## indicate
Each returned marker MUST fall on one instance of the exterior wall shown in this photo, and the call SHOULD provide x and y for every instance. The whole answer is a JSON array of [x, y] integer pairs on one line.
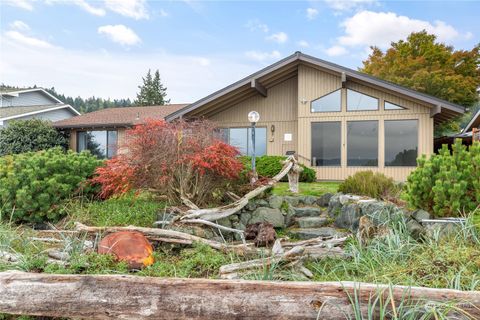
[[121, 139], [277, 109], [33, 98], [54, 115], [313, 83]]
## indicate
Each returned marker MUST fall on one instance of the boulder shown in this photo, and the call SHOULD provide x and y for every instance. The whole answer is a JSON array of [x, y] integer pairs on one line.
[[312, 222], [415, 229], [275, 202], [334, 205], [289, 215], [348, 198], [324, 200], [225, 222], [245, 217], [294, 201], [265, 214], [261, 203], [308, 200], [316, 232], [348, 217], [307, 211], [420, 215], [251, 206]]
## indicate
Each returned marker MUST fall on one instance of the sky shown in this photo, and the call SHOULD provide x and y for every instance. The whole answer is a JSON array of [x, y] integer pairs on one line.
[[103, 48]]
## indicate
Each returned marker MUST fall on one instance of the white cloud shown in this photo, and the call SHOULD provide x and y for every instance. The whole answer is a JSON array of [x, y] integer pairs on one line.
[[23, 4], [336, 51], [27, 40], [381, 28], [19, 25], [135, 9], [120, 34], [117, 74], [303, 44], [163, 13], [312, 13], [279, 37], [345, 5], [262, 56], [255, 24], [89, 8]]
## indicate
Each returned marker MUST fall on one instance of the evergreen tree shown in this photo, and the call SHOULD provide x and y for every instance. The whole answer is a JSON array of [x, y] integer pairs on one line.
[[152, 92]]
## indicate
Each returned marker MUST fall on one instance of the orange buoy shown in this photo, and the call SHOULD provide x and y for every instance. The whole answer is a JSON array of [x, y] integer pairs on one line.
[[129, 246]]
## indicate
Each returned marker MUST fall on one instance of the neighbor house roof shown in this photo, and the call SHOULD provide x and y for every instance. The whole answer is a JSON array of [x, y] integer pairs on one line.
[[10, 113], [16, 92], [270, 75], [118, 117], [474, 122]]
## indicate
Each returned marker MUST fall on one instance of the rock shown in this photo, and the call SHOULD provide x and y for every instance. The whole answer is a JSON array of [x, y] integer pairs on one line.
[[251, 206], [420, 215], [348, 217], [347, 198], [316, 232], [265, 214], [308, 200], [443, 227], [262, 203], [275, 202], [312, 222], [334, 205], [415, 229], [307, 211], [234, 218], [289, 215], [225, 222], [198, 231], [324, 200], [245, 218], [292, 200]]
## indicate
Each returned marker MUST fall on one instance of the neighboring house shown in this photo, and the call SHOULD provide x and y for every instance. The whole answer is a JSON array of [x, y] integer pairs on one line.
[[470, 133], [32, 103], [337, 120], [103, 131]]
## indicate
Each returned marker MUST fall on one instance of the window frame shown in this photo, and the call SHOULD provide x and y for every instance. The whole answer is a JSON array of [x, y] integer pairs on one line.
[[323, 96], [362, 110], [384, 140], [248, 138], [311, 144], [106, 142], [347, 144]]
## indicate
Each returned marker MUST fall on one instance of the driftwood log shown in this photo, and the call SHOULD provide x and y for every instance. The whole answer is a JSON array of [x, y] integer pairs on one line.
[[132, 297]]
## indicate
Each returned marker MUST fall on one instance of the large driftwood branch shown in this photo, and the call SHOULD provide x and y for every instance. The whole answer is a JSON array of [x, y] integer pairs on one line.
[[132, 297], [225, 211], [218, 226]]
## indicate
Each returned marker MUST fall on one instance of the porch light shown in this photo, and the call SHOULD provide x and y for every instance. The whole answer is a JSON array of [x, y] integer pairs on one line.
[[253, 117]]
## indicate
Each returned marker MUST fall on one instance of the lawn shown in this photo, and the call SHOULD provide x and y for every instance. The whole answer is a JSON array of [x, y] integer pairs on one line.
[[307, 188]]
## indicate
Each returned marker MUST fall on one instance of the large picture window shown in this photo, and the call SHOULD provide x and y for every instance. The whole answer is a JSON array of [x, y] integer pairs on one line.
[[362, 143], [242, 139], [331, 102], [326, 143], [101, 143], [357, 101], [401, 142]]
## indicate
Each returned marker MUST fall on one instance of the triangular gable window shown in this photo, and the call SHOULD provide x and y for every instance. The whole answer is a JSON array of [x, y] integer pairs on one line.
[[393, 106], [331, 102]]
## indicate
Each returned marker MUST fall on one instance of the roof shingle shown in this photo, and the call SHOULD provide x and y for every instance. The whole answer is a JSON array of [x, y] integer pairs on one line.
[[6, 112]]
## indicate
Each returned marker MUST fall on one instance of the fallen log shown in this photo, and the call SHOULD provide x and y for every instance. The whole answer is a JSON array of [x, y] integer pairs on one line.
[[232, 208], [133, 297]]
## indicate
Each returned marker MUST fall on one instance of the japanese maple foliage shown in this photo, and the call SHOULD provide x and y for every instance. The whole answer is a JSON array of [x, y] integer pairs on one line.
[[180, 159]]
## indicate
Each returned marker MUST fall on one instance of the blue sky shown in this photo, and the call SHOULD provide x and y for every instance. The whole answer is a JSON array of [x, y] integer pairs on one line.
[[103, 48]]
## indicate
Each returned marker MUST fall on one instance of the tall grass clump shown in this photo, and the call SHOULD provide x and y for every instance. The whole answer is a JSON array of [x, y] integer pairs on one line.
[[368, 183]]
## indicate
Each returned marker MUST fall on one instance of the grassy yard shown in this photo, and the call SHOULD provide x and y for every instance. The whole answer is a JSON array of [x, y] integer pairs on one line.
[[307, 188]]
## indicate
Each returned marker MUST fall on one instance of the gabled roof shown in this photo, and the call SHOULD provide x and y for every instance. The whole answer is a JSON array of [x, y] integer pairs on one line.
[[10, 113], [297, 58], [118, 117], [474, 122], [15, 93]]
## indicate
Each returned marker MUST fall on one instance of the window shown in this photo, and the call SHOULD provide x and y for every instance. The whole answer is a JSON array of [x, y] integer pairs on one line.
[[362, 143], [392, 106], [401, 142], [242, 139], [331, 102], [326, 143], [101, 143], [357, 101]]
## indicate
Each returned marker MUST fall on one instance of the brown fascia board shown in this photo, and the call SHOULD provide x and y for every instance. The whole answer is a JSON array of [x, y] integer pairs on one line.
[[298, 56], [94, 126]]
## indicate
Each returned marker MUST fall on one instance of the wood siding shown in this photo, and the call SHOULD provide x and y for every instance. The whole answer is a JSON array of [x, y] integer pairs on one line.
[[34, 98], [277, 109]]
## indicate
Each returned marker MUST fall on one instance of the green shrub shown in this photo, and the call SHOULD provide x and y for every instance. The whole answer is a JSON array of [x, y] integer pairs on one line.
[[29, 135], [367, 183], [33, 185], [269, 166], [447, 183]]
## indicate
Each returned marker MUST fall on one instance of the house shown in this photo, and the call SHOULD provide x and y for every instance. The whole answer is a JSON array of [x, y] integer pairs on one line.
[[337, 120], [103, 131], [32, 103], [470, 133]]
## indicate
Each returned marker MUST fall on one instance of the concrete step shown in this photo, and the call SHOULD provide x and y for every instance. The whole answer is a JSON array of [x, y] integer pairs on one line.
[[307, 211], [310, 233], [311, 222]]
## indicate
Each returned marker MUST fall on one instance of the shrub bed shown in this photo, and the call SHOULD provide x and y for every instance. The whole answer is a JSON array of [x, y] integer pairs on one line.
[[367, 183], [269, 166], [33, 186]]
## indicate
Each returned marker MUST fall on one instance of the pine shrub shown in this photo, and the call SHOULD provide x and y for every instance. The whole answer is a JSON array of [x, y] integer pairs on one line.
[[367, 183], [447, 183], [269, 166], [34, 185]]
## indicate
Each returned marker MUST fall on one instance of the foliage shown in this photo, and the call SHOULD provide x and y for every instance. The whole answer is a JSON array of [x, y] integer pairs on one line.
[[152, 92], [367, 183], [29, 135], [448, 183], [269, 166], [307, 188], [180, 160], [138, 209], [423, 64], [33, 186]]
